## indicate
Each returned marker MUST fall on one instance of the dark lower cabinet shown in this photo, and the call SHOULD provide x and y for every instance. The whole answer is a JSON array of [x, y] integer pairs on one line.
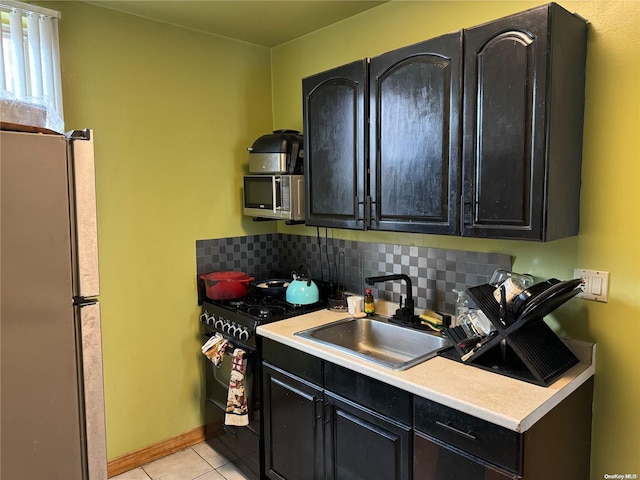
[[293, 435], [360, 444], [311, 432], [452, 445], [435, 461], [322, 421]]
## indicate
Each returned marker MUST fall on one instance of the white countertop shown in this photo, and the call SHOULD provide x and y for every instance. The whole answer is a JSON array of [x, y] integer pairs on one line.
[[502, 400]]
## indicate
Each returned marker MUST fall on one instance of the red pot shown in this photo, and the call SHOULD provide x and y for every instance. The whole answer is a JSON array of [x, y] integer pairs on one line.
[[226, 285]]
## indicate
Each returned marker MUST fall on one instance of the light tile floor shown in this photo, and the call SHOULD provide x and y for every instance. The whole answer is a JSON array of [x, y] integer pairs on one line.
[[200, 462]]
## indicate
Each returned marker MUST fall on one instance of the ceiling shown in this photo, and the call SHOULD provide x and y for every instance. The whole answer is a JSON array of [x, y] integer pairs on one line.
[[267, 22]]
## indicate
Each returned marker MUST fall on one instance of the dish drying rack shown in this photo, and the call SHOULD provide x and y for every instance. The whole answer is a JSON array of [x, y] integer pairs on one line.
[[522, 347]]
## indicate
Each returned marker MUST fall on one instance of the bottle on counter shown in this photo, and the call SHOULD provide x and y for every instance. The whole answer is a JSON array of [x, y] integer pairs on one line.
[[462, 306], [369, 305]]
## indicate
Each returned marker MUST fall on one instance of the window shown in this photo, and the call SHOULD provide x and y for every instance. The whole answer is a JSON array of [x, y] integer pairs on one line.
[[30, 86]]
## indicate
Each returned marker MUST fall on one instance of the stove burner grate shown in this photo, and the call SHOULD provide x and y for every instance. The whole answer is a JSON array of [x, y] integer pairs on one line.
[[254, 310], [266, 311]]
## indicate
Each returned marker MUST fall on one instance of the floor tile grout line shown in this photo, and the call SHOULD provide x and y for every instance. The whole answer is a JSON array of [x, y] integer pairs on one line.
[[145, 472], [207, 462], [227, 462], [183, 450]]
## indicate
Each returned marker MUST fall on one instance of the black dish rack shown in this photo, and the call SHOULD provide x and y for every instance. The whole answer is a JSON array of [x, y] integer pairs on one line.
[[522, 347]]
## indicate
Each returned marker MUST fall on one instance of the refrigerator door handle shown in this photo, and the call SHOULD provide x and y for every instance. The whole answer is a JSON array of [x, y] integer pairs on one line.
[[82, 183], [91, 389]]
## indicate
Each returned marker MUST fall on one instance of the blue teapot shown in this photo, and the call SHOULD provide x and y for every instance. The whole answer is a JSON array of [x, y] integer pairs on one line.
[[302, 290]]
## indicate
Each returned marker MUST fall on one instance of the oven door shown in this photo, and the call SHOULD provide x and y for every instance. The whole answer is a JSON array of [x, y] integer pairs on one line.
[[217, 384]]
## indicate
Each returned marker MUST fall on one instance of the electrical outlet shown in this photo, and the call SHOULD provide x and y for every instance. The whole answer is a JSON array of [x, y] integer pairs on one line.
[[595, 284]]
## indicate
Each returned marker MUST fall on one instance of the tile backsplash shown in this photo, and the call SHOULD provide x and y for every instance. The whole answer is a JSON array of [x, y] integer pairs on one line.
[[435, 272]]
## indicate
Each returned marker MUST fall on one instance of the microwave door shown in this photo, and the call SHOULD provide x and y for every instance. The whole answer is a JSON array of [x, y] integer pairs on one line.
[[258, 193], [261, 193]]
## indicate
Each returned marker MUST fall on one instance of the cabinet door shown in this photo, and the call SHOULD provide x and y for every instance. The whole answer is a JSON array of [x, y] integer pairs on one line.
[[292, 427], [415, 99], [522, 135], [434, 461], [505, 94], [361, 444], [334, 143]]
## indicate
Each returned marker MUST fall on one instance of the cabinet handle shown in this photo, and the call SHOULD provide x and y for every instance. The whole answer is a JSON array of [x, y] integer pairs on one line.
[[455, 430], [317, 411], [327, 413]]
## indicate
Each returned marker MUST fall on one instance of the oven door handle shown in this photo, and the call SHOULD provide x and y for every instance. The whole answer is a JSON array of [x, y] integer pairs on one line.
[[233, 342], [230, 347]]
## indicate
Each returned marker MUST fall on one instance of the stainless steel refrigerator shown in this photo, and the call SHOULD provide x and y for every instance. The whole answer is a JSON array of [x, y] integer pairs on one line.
[[51, 379]]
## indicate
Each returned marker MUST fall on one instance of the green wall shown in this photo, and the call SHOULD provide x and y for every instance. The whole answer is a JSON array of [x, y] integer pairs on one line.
[[173, 111], [609, 231]]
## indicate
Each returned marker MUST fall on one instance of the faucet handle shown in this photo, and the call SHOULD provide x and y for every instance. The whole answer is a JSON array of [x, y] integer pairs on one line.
[[405, 315]]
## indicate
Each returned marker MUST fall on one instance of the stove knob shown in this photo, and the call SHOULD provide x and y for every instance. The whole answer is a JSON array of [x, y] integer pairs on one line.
[[204, 318], [233, 330], [219, 323], [209, 318], [244, 334]]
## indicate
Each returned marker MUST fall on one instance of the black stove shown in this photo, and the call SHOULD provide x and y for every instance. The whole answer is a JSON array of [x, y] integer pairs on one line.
[[240, 318], [237, 321]]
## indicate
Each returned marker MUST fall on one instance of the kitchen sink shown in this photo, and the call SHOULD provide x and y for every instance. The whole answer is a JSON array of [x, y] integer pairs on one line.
[[375, 339]]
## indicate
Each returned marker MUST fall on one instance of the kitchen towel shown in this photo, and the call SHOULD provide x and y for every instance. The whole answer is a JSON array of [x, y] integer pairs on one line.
[[214, 348], [237, 411]]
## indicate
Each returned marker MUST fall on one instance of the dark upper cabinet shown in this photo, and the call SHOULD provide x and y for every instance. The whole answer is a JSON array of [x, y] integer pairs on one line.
[[478, 133], [524, 83], [386, 157], [335, 116], [414, 130]]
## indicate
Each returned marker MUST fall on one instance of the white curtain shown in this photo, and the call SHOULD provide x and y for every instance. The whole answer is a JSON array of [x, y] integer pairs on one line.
[[30, 85]]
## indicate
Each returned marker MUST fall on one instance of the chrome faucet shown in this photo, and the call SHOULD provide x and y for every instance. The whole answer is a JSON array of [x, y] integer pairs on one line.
[[403, 314]]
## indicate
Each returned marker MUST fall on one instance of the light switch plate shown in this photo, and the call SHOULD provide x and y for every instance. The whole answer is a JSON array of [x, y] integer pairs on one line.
[[595, 284]]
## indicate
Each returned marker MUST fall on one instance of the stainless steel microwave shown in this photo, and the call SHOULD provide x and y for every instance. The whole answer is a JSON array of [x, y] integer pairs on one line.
[[274, 196]]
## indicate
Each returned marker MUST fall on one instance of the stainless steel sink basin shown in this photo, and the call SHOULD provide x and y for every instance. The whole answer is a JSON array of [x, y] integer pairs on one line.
[[377, 340]]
